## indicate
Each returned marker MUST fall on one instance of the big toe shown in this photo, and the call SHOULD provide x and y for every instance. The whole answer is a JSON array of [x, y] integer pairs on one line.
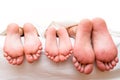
[[29, 58], [100, 65], [88, 68], [19, 60]]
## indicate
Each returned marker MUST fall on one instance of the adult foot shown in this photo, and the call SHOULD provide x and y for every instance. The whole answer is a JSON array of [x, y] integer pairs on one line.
[[13, 46], [65, 46], [83, 53], [32, 44], [51, 48], [104, 47]]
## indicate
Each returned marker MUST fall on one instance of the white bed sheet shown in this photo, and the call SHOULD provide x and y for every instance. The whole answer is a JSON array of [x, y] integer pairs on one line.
[[45, 69]]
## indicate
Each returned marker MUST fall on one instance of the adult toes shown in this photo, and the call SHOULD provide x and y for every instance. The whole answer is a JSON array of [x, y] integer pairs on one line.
[[107, 66], [82, 68], [88, 68]]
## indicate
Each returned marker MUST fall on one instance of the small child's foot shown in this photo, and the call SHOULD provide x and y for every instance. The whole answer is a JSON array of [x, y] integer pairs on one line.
[[65, 46], [32, 44], [13, 46]]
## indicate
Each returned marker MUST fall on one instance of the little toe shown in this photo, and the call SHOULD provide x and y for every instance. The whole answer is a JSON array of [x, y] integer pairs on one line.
[[29, 58], [113, 63], [116, 60]]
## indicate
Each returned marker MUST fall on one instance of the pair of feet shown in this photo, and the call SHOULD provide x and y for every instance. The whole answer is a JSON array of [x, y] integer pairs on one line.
[[14, 51], [92, 43], [59, 49]]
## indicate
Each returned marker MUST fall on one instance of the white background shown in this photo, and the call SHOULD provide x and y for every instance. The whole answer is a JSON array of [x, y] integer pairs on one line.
[[42, 12]]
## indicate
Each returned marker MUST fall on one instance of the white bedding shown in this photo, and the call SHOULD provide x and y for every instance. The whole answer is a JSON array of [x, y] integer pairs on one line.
[[45, 69]]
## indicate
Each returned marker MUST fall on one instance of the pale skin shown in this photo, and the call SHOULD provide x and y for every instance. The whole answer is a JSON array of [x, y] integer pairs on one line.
[[14, 50], [92, 43], [57, 52], [96, 43]]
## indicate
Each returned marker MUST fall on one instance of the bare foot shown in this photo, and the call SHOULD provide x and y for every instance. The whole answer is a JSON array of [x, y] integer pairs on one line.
[[51, 47], [32, 44], [65, 46], [13, 46], [83, 53], [104, 47]]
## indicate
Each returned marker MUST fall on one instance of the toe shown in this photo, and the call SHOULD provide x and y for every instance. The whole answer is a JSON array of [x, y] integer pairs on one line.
[[56, 59], [14, 62], [19, 60], [74, 59], [79, 67], [29, 58], [35, 57], [116, 60], [40, 48], [38, 52], [8, 58], [82, 68], [11, 61], [88, 68], [107, 66], [62, 58], [76, 64], [113, 63], [5, 54], [100, 65]]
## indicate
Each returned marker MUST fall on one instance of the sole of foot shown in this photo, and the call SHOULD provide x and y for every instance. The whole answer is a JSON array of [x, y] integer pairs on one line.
[[32, 44], [84, 57], [104, 47], [13, 47]]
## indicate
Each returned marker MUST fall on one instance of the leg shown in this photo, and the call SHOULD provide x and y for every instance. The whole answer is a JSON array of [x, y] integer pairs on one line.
[[51, 47], [13, 46], [65, 46], [32, 44], [104, 47], [83, 53]]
